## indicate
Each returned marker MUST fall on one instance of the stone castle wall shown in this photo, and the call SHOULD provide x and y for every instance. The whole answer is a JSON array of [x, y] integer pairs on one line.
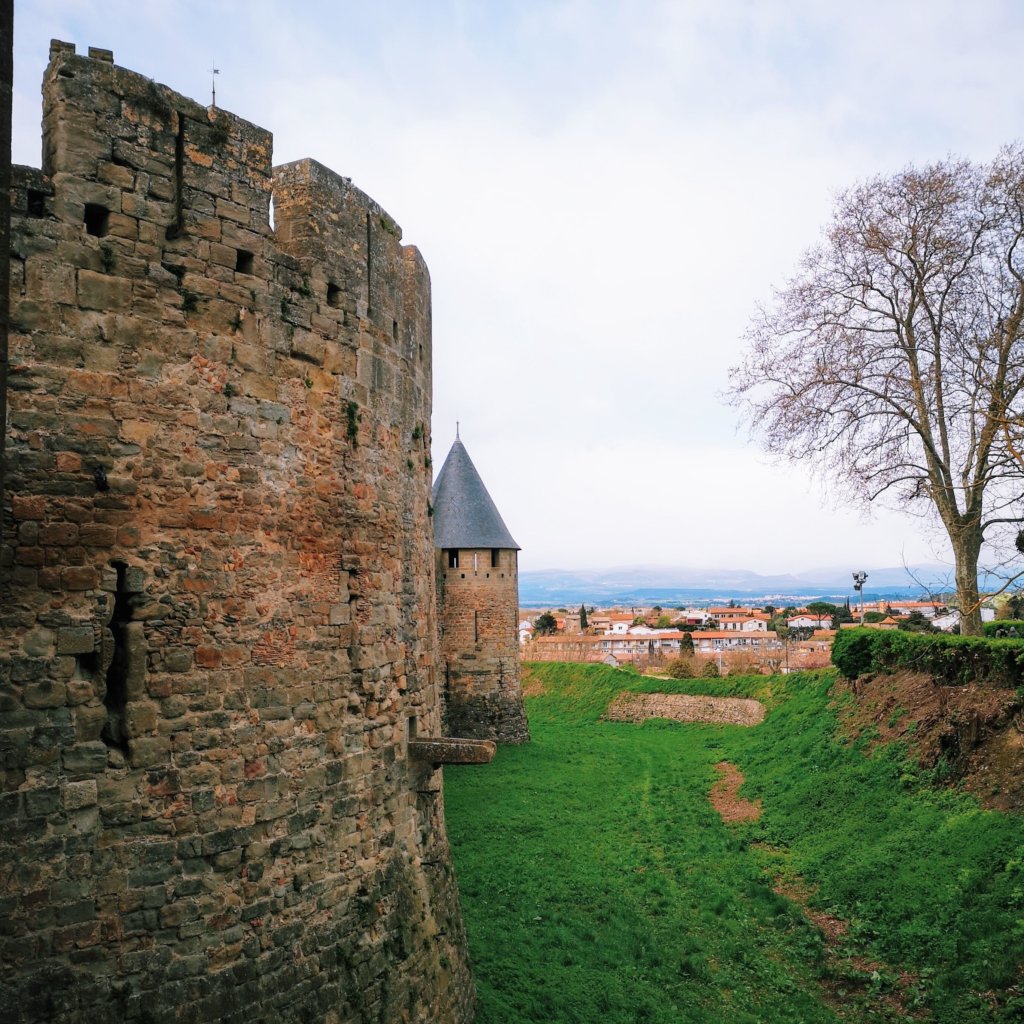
[[217, 619], [478, 613]]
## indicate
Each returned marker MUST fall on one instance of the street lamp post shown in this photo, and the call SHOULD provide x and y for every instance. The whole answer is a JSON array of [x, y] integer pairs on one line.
[[859, 579]]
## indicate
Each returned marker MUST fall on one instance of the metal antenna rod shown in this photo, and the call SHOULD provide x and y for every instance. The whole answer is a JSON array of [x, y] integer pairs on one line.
[[213, 85]]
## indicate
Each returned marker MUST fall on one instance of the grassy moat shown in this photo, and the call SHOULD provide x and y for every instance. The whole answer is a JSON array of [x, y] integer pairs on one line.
[[600, 884]]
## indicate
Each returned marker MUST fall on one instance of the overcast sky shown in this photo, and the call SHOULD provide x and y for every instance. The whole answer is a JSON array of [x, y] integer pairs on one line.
[[603, 190]]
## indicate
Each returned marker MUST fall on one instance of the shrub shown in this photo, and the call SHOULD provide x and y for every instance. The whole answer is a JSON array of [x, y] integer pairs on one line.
[[710, 670], [950, 660], [992, 628], [853, 652], [682, 668]]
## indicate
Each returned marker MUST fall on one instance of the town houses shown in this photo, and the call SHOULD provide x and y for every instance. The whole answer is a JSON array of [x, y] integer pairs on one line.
[[766, 638]]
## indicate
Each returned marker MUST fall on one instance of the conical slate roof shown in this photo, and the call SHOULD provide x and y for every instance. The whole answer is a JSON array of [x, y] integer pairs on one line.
[[464, 514]]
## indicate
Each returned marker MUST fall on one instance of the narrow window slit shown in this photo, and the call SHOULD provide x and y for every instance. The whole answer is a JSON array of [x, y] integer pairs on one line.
[[115, 731]]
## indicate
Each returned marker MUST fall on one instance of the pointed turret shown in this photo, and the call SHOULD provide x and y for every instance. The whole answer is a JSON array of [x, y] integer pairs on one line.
[[478, 606], [464, 514]]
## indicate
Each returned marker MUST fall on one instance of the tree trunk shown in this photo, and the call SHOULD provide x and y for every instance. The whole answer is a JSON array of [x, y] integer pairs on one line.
[[966, 543]]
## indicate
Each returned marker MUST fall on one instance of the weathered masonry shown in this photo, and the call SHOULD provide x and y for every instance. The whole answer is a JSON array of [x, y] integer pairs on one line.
[[217, 624], [478, 607]]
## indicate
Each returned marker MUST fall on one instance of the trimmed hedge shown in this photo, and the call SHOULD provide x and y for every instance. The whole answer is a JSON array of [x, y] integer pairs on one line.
[[950, 660], [991, 627]]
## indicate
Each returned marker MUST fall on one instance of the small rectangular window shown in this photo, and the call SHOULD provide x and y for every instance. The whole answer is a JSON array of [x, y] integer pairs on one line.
[[495, 555], [243, 262], [36, 203], [333, 295], [97, 219], [453, 558]]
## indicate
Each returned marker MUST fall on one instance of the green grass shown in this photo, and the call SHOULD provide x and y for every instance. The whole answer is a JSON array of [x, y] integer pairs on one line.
[[599, 885]]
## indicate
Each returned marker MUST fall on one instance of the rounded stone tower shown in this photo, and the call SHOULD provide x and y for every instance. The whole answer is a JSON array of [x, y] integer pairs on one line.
[[477, 606]]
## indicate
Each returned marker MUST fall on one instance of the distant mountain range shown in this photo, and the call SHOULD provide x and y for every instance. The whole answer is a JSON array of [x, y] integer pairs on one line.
[[646, 585]]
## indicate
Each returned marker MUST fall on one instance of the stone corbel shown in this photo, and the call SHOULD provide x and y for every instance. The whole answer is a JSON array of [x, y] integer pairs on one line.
[[450, 750]]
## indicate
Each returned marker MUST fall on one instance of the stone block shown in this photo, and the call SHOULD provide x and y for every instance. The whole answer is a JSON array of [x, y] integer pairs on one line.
[[99, 291], [149, 751], [80, 794], [134, 580], [79, 577], [45, 694], [97, 535], [40, 803], [76, 640], [39, 642], [140, 718], [178, 659], [85, 758], [58, 534]]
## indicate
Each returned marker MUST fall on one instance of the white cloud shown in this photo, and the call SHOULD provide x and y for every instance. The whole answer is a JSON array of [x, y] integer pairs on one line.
[[603, 190]]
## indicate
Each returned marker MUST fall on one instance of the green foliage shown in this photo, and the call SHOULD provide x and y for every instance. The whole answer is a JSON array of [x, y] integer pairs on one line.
[[916, 622], [544, 624], [682, 668], [598, 884], [874, 616], [840, 615], [951, 660], [710, 670], [352, 417], [992, 628], [821, 608], [583, 616], [1012, 605]]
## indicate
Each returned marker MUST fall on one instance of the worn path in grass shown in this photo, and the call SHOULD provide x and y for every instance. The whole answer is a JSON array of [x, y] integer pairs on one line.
[[599, 884]]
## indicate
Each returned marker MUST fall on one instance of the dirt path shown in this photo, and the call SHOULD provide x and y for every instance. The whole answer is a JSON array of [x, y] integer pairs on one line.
[[684, 707], [852, 980], [725, 796]]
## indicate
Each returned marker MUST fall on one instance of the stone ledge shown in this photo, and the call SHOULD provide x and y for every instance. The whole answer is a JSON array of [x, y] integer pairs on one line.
[[450, 750]]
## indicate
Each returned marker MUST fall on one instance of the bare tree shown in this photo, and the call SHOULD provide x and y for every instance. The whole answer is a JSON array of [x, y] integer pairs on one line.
[[894, 357]]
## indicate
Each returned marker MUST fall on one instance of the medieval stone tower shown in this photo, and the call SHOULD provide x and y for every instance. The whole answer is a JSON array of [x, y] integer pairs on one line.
[[478, 607], [219, 800]]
